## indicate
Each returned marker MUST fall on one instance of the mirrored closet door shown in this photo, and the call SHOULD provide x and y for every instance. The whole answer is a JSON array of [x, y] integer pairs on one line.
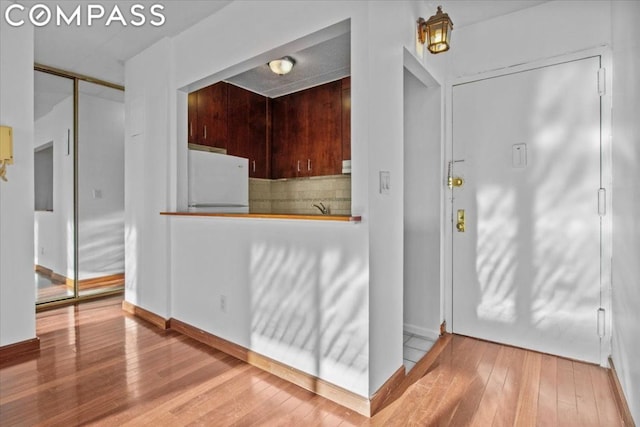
[[79, 187], [53, 181]]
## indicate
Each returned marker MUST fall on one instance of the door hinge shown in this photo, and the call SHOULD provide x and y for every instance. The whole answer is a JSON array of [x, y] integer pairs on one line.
[[602, 82], [602, 202], [601, 324]]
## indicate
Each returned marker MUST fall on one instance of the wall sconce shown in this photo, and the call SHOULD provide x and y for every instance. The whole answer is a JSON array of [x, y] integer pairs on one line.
[[282, 66], [436, 32]]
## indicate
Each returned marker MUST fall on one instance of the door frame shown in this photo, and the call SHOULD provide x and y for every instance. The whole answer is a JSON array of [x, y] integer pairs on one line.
[[604, 52]]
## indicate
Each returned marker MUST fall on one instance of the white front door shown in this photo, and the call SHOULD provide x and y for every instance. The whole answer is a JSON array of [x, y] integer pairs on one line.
[[526, 269]]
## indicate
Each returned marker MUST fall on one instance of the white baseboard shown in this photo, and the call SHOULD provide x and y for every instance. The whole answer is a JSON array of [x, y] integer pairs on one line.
[[423, 332]]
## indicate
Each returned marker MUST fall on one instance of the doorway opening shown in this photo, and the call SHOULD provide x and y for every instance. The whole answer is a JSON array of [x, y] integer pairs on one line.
[[422, 212]]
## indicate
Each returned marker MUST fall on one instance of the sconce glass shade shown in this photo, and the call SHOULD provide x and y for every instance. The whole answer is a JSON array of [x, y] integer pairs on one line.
[[436, 32], [282, 66]]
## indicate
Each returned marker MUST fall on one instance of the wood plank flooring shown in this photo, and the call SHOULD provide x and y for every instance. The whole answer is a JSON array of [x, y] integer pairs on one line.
[[100, 366]]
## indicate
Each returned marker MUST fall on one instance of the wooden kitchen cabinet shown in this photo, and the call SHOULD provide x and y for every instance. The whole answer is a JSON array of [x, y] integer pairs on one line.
[[208, 116], [307, 132], [325, 130], [289, 143], [194, 125], [248, 121], [346, 118]]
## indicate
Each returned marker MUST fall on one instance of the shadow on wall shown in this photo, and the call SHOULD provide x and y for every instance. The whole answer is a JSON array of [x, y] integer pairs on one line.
[[309, 310], [101, 245]]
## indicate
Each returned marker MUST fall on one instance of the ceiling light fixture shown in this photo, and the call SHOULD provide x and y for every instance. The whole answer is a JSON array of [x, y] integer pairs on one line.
[[436, 32], [282, 66]]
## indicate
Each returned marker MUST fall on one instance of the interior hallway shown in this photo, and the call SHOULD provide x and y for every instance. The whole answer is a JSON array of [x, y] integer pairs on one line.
[[98, 366]]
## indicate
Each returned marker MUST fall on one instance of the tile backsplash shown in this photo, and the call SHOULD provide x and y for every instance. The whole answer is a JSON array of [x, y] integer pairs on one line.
[[298, 195]]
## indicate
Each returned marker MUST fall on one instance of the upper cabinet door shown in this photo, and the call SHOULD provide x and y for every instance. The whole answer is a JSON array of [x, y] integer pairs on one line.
[[259, 119], [193, 136], [238, 121], [324, 142], [281, 148], [212, 114], [346, 118], [247, 129], [307, 132], [208, 116]]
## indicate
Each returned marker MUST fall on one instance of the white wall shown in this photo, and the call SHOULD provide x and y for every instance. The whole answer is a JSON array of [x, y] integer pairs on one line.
[[100, 187], [392, 28], [17, 290], [550, 29], [54, 230], [626, 199], [423, 182], [148, 98], [379, 32]]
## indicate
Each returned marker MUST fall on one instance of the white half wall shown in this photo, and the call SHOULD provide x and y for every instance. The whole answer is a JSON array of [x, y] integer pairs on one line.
[[17, 289], [294, 291], [626, 200]]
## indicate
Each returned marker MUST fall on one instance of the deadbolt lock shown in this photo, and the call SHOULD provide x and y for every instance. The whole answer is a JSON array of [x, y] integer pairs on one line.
[[455, 181], [460, 223]]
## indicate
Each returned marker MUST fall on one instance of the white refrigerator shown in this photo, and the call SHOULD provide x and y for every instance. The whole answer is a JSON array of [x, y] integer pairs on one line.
[[218, 183]]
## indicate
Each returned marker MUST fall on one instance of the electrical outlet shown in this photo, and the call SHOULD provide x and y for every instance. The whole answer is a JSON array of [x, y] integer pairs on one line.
[[223, 303]]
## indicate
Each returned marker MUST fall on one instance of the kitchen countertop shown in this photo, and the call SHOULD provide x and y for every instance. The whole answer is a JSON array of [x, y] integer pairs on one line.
[[339, 218]]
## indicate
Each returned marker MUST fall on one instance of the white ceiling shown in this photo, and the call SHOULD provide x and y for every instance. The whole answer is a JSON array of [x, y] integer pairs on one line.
[[321, 63], [100, 51]]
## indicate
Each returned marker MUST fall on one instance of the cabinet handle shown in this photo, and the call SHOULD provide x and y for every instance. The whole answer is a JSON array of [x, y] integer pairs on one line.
[[308, 164], [191, 129], [254, 166], [205, 132], [298, 165]]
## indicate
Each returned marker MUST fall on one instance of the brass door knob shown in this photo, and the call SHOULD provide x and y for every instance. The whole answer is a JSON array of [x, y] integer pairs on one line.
[[455, 181]]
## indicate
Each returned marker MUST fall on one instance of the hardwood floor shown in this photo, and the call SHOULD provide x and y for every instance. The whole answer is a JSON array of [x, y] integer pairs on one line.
[[99, 366]]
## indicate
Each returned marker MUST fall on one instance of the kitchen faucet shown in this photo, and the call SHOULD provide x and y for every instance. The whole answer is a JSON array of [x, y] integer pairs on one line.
[[322, 208]]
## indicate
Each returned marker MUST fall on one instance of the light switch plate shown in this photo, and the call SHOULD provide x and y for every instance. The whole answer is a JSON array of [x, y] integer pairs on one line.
[[385, 182], [519, 156]]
